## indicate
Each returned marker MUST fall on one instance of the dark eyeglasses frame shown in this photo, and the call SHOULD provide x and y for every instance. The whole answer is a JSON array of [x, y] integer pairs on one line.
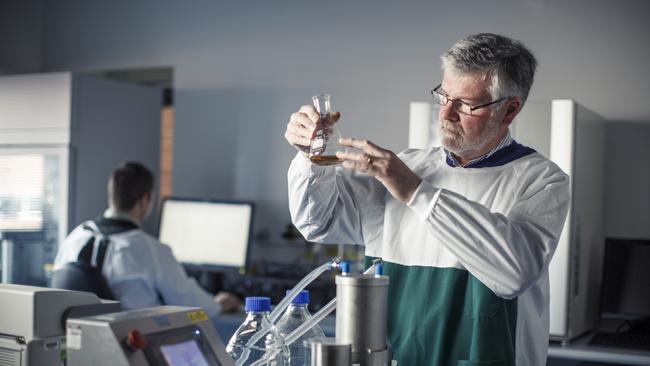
[[435, 91]]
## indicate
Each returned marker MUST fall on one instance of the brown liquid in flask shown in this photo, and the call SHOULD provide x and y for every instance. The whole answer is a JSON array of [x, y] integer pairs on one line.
[[324, 144], [325, 160]]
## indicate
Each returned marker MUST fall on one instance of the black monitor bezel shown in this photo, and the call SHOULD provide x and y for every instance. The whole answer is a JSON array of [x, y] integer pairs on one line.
[[210, 266], [617, 315]]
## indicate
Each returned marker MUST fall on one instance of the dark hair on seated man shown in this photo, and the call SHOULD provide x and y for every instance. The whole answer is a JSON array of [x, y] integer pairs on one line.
[[129, 182]]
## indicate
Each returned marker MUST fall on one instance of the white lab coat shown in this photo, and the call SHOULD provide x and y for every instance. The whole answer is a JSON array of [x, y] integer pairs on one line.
[[501, 224]]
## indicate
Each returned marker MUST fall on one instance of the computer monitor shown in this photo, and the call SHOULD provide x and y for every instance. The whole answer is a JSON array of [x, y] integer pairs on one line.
[[207, 233], [626, 279]]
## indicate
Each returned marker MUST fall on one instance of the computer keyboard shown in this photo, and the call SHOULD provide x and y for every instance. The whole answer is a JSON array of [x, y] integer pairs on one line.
[[636, 341]]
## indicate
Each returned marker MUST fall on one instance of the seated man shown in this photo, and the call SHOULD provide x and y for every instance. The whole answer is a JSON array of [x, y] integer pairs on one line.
[[140, 271]]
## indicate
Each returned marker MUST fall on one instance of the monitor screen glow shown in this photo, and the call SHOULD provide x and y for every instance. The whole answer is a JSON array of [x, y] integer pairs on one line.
[[207, 232]]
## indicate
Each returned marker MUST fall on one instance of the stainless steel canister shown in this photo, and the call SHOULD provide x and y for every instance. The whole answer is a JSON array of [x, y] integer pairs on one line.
[[361, 309], [330, 352]]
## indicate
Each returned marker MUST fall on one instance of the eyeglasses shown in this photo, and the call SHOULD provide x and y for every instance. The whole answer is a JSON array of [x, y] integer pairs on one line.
[[457, 104]]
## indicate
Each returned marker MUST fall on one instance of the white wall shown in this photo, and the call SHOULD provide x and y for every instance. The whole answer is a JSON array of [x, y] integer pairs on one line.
[[242, 67]]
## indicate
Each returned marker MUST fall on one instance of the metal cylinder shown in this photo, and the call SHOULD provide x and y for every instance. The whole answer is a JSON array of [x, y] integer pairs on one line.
[[330, 352], [361, 308]]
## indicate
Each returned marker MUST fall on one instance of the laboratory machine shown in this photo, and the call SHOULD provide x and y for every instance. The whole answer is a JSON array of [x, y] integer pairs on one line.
[[164, 335], [32, 322]]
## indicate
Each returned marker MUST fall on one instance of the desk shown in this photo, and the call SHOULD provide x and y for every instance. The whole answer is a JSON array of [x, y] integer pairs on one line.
[[580, 350]]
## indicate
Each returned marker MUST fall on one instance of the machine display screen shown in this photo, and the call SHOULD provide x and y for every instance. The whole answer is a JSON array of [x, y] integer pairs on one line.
[[185, 353]]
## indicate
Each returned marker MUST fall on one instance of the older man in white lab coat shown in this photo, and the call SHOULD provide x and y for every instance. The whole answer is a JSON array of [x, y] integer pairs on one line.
[[466, 230]]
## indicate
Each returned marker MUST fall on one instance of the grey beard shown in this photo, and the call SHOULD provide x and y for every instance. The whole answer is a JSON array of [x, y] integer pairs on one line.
[[459, 146]]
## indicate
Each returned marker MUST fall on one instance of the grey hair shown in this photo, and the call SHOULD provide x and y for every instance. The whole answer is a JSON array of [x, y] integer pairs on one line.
[[507, 63]]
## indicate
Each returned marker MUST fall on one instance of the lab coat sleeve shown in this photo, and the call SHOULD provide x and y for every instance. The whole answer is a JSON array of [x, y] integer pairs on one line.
[[507, 253], [333, 205], [176, 288]]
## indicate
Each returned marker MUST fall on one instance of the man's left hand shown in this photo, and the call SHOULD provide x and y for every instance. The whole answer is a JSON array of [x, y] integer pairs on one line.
[[383, 164]]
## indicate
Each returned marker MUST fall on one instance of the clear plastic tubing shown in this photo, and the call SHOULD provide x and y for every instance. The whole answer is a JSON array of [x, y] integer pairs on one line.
[[279, 309], [309, 278], [298, 332]]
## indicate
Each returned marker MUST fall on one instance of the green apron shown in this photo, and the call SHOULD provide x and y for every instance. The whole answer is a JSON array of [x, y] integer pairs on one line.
[[445, 316]]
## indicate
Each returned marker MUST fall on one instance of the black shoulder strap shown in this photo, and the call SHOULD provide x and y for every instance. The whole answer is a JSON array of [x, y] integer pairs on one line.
[[94, 251], [101, 252], [86, 253]]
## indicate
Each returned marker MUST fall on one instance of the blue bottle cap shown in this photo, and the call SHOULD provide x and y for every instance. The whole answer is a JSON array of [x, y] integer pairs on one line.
[[258, 304], [300, 299], [379, 269], [345, 267]]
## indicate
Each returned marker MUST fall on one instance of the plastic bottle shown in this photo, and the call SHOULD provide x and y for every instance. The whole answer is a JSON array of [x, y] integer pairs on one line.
[[295, 315], [257, 309]]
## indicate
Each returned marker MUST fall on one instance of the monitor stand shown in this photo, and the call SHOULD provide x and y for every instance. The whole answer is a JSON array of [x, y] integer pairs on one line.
[[641, 325]]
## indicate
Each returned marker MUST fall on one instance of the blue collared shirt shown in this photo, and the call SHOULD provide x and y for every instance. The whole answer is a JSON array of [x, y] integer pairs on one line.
[[505, 141]]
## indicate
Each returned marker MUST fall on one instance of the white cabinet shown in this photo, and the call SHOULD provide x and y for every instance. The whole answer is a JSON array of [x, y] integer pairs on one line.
[[574, 138], [61, 135]]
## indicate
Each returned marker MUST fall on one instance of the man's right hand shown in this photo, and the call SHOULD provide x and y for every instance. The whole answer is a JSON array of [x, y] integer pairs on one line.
[[302, 125], [229, 302]]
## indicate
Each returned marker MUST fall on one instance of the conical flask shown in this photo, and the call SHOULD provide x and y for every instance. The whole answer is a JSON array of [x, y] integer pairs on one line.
[[325, 143]]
